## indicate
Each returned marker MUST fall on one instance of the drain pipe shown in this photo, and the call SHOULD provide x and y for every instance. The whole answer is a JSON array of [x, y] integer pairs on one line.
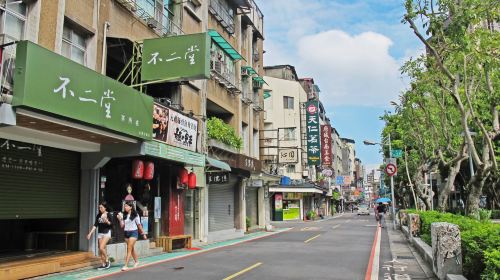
[[104, 47]]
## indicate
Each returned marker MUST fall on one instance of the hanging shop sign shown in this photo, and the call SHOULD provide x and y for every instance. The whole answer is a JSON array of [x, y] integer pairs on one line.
[[288, 156], [312, 132], [182, 131], [176, 58], [326, 145], [248, 163], [52, 83], [173, 128], [161, 150], [214, 178]]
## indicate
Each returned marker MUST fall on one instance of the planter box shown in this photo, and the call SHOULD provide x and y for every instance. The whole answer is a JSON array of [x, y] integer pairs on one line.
[[221, 146]]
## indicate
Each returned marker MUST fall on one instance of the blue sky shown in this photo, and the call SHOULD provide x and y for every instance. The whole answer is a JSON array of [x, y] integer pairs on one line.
[[353, 49]]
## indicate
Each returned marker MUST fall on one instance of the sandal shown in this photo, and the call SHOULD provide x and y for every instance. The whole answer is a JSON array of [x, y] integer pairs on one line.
[[136, 264], [125, 268]]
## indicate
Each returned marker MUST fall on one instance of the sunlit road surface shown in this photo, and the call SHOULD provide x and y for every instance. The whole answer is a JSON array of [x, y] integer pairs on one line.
[[338, 248]]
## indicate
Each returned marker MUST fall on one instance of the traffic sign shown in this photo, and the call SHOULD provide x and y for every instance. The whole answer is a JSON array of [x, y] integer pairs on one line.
[[396, 153], [391, 169], [339, 180]]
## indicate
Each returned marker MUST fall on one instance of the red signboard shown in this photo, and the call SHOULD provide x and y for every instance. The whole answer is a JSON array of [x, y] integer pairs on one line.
[[176, 212], [326, 145]]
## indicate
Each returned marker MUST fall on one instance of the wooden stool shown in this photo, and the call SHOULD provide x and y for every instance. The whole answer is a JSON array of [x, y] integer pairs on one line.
[[166, 241]]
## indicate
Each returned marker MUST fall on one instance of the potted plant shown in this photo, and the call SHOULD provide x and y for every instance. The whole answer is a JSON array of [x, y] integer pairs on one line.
[[311, 215]]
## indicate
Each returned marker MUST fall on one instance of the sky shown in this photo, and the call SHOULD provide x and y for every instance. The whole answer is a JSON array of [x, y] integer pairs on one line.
[[353, 49]]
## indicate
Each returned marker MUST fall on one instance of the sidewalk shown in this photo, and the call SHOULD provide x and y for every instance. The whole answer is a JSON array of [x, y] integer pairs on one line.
[[90, 273], [406, 261]]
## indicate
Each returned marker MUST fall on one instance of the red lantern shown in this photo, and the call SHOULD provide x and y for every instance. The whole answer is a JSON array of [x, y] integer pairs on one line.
[[137, 169], [183, 176], [192, 180], [149, 170]]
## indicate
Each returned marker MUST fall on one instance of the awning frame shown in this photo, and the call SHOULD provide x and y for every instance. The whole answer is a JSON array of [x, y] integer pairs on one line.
[[224, 45], [217, 164]]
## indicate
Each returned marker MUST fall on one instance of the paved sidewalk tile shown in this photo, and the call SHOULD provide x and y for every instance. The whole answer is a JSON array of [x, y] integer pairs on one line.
[[405, 260], [146, 261]]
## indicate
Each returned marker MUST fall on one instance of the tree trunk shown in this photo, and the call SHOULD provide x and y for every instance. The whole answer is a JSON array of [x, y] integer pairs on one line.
[[445, 191], [421, 189], [476, 188]]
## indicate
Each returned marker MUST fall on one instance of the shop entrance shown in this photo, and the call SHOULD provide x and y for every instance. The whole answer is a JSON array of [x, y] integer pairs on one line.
[[40, 189]]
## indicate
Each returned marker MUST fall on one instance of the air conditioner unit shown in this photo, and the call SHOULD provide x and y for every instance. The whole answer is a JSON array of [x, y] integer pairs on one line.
[[153, 23], [244, 72], [128, 4]]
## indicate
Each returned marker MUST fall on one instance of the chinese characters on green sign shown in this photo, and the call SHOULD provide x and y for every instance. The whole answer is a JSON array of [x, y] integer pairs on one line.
[[52, 83], [312, 129], [183, 57]]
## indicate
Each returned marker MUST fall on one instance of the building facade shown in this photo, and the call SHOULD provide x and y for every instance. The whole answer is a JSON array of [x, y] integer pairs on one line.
[[116, 124]]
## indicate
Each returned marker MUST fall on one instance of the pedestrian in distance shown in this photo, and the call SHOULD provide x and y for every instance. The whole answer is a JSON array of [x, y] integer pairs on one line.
[[381, 210], [131, 223], [103, 224]]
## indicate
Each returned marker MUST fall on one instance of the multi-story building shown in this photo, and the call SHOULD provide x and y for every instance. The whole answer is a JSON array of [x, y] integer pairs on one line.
[[337, 153], [284, 145], [116, 118]]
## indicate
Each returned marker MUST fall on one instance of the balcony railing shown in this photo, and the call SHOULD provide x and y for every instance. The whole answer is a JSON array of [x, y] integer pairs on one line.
[[155, 18], [222, 14]]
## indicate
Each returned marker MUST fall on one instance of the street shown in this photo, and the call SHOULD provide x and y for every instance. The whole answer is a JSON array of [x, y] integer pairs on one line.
[[337, 248]]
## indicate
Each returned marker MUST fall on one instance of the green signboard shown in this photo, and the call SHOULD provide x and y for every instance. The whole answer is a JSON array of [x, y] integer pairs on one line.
[[183, 57], [52, 83], [312, 131], [397, 153], [161, 150], [267, 94]]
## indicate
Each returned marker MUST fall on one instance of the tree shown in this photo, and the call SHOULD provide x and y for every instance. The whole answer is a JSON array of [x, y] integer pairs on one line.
[[462, 48]]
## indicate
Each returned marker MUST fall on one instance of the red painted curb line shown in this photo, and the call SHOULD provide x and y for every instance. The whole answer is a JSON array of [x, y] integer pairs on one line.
[[368, 274]]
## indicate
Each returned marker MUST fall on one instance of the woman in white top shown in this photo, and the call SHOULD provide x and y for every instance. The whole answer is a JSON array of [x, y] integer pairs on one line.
[[131, 223]]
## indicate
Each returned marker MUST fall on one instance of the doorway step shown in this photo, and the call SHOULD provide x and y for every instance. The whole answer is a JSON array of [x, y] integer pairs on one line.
[[25, 268]]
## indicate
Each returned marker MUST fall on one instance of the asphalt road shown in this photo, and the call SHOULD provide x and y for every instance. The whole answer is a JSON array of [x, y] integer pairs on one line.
[[337, 248]]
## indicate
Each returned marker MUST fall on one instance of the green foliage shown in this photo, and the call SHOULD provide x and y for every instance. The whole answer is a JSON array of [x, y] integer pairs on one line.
[[247, 222], [484, 215], [219, 130], [479, 241], [311, 215], [492, 262]]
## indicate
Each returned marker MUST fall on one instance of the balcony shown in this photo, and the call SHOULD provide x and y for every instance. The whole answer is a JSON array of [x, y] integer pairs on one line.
[[154, 18], [254, 16], [221, 11]]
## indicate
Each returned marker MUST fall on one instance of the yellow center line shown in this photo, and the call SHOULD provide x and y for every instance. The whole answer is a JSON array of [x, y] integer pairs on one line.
[[312, 238], [242, 271]]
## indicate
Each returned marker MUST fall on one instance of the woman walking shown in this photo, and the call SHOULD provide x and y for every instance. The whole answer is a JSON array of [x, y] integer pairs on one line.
[[103, 225], [131, 223]]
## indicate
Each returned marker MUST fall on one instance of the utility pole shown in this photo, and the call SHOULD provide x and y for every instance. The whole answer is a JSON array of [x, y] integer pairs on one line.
[[392, 188]]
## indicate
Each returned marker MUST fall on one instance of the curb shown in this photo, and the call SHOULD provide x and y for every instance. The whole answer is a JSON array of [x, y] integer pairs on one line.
[[77, 274]]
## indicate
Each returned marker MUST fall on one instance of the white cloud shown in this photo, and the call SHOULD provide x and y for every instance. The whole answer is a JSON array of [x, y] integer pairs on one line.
[[350, 70]]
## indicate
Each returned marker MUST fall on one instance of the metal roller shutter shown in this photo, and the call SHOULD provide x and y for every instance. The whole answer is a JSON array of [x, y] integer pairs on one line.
[[49, 191], [220, 207], [252, 206]]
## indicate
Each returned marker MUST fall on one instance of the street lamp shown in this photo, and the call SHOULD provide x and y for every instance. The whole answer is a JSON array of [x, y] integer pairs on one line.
[[371, 143]]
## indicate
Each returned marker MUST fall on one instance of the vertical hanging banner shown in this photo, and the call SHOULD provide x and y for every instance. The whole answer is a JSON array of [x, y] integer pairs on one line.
[[313, 133], [326, 145]]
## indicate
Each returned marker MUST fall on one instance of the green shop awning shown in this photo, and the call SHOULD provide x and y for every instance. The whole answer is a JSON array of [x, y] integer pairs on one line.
[[223, 44], [218, 164], [259, 79], [250, 70]]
